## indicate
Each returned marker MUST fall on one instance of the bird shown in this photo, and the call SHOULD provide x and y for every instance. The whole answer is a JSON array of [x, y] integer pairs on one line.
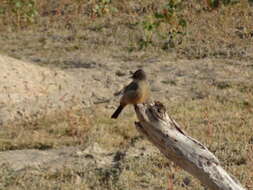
[[136, 92]]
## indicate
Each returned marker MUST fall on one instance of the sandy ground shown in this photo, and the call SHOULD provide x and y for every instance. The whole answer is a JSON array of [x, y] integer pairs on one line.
[[30, 91]]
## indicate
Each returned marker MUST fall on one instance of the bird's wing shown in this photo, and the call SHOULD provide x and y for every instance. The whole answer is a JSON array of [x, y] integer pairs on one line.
[[120, 92], [131, 87], [130, 93]]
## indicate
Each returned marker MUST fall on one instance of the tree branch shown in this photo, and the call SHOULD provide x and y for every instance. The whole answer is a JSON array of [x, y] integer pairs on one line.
[[182, 149]]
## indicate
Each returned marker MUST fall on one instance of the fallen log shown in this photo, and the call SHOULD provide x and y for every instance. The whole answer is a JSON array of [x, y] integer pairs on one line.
[[183, 150]]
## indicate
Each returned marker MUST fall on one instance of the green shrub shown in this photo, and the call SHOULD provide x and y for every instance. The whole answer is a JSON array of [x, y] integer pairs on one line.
[[167, 24], [19, 12]]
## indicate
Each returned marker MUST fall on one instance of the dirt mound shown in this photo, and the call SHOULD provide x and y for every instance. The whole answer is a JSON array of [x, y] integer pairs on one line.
[[30, 91]]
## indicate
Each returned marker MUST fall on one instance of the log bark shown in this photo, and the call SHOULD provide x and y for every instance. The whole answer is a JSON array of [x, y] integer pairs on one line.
[[183, 150]]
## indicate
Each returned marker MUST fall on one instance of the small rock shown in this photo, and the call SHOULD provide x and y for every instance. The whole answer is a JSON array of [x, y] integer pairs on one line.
[[120, 73], [119, 156], [186, 181]]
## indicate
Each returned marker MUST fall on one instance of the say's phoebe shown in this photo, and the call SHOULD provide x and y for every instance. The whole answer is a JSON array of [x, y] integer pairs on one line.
[[134, 93]]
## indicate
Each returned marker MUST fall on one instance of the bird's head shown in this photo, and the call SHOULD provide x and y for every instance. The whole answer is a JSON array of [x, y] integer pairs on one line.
[[139, 75]]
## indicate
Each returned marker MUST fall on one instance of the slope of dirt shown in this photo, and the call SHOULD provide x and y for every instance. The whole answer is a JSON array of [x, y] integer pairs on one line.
[[29, 91]]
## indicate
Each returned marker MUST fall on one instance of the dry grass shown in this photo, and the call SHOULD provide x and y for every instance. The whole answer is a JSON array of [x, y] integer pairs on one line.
[[63, 129], [116, 29], [222, 120], [224, 126]]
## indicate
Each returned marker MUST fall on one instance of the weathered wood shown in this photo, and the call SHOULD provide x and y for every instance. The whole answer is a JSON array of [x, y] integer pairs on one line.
[[182, 149]]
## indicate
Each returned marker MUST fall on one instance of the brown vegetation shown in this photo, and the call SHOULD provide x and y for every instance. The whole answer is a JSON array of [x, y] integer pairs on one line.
[[211, 95]]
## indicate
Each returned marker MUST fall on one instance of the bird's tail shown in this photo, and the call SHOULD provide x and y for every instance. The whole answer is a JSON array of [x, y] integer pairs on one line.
[[117, 112]]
